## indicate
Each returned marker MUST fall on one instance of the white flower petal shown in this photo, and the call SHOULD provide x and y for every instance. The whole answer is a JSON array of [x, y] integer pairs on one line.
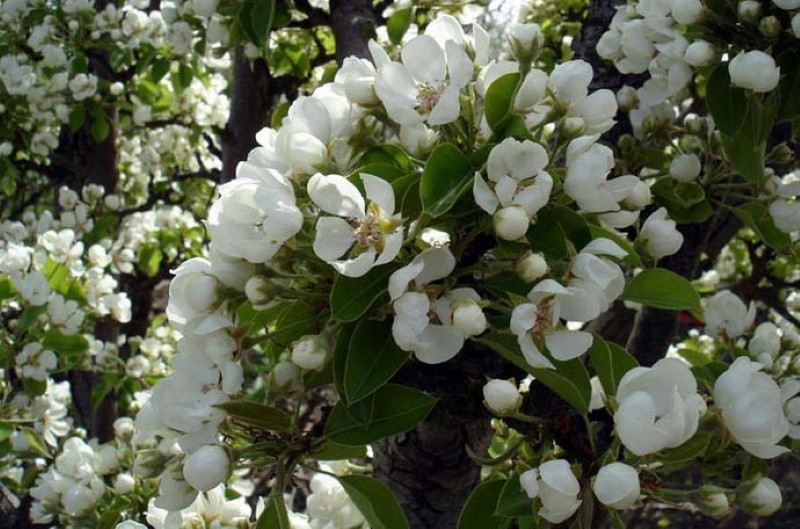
[[336, 195]]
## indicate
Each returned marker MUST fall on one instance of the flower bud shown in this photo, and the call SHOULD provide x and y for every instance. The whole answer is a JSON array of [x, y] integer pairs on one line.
[[124, 483], [573, 127], [531, 267], [284, 376], [695, 124], [468, 317], [310, 352], [124, 429], [770, 26], [699, 53], [763, 499], [617, 486], [714, 501], [418, 140], [501, 397], [511, 223], [526, 42], [796, 25], [749, 10], [687, 11], [685, 167], [754, 70], [259, 290], [206, 468], [433, 238], [116, 88], [627, 98]]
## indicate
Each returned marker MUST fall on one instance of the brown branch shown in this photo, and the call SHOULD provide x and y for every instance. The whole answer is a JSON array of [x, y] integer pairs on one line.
[[353, 24]]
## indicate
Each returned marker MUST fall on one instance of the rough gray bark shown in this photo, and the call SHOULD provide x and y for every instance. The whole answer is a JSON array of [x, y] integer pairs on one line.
[[353, 24], [249, 111]]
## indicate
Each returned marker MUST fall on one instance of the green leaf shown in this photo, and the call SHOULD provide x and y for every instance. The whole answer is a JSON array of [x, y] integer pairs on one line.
[[100, 128], [557, 230], [30, 315], [159, 69], [726, 102], [352, 297], [257, 415], [499, 100], [666, 192], [513, 501], [398, 24], [6, 430], [376, 502], [340, 352], [688, 452], [446, 176], [756, 217], [297, 320], [569, 380], [36, 442], [330, 451], [662, 289], [77, 117], [256, 20], [789, 87], [395, 409], [611, 362], [372, 359], [598, 232], [274, 515], [109, 519], [479, 511], [6, 288], [65, 345]]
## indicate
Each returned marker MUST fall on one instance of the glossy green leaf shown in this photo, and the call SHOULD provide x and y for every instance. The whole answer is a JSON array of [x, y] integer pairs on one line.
[[340, 352], [479, 511], [663, 289], [395, 409], [726, 102], [297, 320], [447, 175], [756, 217], [398, 24], [513, 501], [351, 297], [611, 362], [376, 502], [499, 99], [569, 380], [257, 415], [557, 230], [275, 515], [372, 359]]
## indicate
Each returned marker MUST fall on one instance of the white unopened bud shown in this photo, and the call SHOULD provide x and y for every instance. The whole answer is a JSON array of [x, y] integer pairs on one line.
[[285, 376], [531, 267], [627, 98], [754, 70], [687, 11], [468, 317], [770, 26], [124, 429], [796, 25], [714, 501], [511, 223], [501, 397], [573, 127], [526, 42], [763, 499], [699, 53], [116, 88], [124, 483], [418, 140], [310, 352], [206, 468], [685, 167], [617, 486], [749, 10], [258, 290]]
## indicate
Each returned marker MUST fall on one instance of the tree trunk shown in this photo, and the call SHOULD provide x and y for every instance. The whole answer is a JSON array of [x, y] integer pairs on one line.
[[353, 24], [249, 111]]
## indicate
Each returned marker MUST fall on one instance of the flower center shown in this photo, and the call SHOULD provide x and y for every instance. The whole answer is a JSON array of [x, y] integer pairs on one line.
[[428, 97], [368, 232]]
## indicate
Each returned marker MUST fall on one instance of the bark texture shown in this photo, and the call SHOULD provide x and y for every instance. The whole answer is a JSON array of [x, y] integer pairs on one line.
[[353, 24], [249, 111]]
